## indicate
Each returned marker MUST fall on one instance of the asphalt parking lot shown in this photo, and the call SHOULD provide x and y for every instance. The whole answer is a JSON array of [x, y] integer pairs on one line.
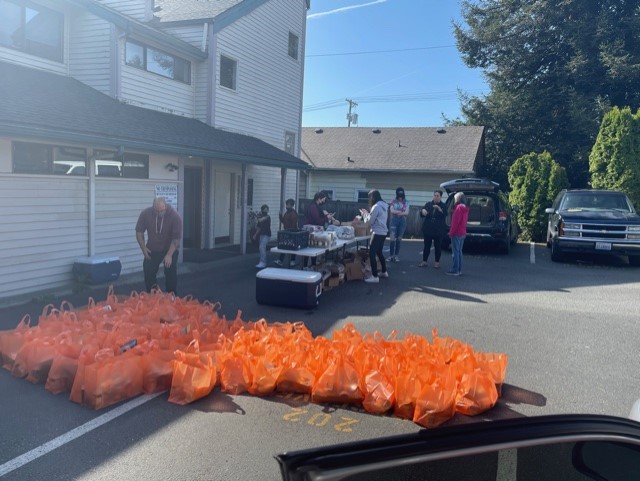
[[569, 329]]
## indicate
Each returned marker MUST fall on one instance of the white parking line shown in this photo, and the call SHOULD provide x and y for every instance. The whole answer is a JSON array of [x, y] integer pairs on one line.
[[47, 447], [532, 252], [507, 465]]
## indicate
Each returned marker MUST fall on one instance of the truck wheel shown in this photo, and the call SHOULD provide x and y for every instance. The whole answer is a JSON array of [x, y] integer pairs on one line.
[[556, 253], [634, 261]]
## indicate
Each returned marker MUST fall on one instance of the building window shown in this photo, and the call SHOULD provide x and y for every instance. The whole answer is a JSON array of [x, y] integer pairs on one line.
[[32, 29], [48, 159], [158, 62], [290, 143], [228, 68], [294, 41], [130, 165], [362, 196]]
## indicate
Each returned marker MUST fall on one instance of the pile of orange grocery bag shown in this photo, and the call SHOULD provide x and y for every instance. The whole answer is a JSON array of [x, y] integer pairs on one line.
[[110, 351]]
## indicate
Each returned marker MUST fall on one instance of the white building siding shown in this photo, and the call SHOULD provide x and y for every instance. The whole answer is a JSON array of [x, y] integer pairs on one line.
[[266, 190], [90, 51], [267, 100], [345, 185], [190, 33], [151, 91], [118, 205], [41, 234], [136, 9]]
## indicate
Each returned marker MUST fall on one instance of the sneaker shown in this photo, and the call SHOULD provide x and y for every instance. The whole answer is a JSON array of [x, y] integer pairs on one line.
[[383, 274], [396, 259], [261, 265], [372, 279], [278, 262], [423, 264], [390, 258], [451, 273], [436, 265]]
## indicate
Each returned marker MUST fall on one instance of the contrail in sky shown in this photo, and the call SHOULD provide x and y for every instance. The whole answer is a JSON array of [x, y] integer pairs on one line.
[[343, 9]]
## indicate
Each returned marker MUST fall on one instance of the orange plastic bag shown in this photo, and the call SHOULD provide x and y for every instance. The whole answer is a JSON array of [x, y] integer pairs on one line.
[[436, 402], [12, 341], [194, 376], [338, 384], [87, 357], [495, 364], [476, 394], [157, 369], [379, 393], [112, 378], [234, 375]]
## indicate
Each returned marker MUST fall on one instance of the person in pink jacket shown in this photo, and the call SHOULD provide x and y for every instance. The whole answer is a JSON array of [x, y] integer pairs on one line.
[[457, 232]]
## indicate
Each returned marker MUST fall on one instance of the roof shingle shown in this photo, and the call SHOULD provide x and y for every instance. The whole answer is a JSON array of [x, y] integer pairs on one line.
[[416, 149]]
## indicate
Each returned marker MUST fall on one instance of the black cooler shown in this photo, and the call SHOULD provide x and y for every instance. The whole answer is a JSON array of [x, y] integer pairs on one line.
[[288, 287], [96, 270]]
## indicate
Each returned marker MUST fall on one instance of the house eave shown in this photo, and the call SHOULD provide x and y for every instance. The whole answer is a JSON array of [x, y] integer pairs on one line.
[[48, 134]]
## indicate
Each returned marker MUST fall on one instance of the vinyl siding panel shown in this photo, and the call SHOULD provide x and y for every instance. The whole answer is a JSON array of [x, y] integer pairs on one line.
[[42, 235], [90, 52], [268, 97], [418, 187], [118, 205], [133, 8], [152, 91], [266, 190], [191, 34]]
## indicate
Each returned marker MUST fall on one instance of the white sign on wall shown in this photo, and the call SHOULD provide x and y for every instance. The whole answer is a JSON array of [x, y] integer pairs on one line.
[[169, 192]]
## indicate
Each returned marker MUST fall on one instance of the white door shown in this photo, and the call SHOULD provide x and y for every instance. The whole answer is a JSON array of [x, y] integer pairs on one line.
[[222, 210]]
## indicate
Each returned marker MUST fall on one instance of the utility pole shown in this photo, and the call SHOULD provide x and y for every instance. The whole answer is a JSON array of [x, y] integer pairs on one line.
[[351, 117]]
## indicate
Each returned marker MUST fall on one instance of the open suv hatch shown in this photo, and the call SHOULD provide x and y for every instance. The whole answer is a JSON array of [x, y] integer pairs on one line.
[[491, 217]]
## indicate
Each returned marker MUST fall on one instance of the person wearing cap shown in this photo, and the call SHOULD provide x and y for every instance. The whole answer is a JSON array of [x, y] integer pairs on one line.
[[399, 210]]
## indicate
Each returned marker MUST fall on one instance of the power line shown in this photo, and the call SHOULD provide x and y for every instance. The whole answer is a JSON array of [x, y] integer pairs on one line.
[[377, 51], [415, 97]]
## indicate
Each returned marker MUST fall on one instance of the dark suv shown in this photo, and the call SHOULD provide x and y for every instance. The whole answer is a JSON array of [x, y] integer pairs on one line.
[[593, 222], [491, 218]]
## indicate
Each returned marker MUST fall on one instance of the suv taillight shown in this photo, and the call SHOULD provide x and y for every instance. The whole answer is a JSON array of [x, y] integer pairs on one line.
[[503, 216]]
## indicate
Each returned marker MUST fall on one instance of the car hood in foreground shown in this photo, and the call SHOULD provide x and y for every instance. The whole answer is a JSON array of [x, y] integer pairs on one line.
[[558, 447]]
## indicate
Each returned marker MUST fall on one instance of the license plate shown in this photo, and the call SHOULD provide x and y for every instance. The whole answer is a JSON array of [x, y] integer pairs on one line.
[[603, 246]]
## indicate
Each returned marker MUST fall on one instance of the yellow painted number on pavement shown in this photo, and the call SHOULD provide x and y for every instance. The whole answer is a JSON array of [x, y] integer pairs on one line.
[[295, 415], [344, 426], [319, 419]]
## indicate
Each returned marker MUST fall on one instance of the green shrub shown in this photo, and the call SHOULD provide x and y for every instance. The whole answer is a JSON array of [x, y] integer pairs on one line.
[[535, 180]]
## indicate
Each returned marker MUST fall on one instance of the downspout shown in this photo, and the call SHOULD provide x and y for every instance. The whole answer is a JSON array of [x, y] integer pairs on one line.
[[91, 201], [243, 210], [283, 186]]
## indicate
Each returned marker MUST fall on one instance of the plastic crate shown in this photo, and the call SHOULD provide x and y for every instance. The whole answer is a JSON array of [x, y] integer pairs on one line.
[[293, 239]]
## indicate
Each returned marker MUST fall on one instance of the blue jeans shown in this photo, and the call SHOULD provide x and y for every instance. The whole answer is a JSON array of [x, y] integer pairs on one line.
[[264, 240], [456, 249], [397, 226]]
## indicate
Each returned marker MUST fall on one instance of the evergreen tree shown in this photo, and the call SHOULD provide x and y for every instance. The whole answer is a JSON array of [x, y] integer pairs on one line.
[[535, 180], [554, 68], [614, 162]]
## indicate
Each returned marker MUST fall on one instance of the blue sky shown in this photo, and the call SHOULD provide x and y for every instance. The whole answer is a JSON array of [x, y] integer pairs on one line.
[[409, 87]]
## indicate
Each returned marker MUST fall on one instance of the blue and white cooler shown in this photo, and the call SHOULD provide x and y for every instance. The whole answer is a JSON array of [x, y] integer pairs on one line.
[[96, 269], [288, 287]]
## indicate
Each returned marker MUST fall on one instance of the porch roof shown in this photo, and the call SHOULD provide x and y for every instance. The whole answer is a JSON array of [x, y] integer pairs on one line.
[[47, 106]]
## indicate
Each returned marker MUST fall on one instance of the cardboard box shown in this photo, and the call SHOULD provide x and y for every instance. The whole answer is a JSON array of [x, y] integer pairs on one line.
[[353, 271]]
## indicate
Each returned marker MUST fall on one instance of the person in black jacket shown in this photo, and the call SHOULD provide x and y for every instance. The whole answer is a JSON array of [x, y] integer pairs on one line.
[[434, 228]]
